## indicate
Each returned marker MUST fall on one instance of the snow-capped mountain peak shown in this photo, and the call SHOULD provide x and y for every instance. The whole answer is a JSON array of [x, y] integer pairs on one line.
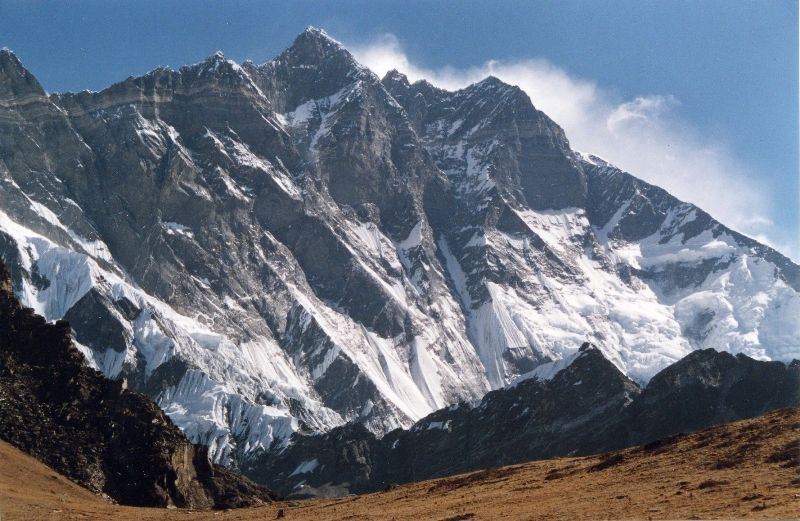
[[291, 246]]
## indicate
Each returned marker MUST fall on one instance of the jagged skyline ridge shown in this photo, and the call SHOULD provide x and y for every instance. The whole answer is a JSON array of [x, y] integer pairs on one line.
[[720, 99], [649, 133], [638, 134]]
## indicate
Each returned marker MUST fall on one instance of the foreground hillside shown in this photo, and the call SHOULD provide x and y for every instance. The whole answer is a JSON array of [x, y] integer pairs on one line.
[[744, 469]]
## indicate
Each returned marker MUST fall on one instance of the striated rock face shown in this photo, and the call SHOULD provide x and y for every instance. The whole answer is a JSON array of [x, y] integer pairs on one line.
[[91, 429], [288, 247], [578, 406]]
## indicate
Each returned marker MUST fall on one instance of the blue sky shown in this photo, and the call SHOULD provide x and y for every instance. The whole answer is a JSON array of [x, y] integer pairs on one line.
[[698, 96]]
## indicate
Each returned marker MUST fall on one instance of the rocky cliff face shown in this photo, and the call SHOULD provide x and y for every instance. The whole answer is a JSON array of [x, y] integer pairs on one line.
[[707, 388], [581, 405], [287, 247], [91, 429]]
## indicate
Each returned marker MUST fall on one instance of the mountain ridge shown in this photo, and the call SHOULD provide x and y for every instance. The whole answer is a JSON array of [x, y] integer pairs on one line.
[[581, 407], [263, 264]]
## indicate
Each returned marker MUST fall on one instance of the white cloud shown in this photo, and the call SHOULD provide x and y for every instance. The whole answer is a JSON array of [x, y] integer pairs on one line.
[[641, 110], [644, 136]]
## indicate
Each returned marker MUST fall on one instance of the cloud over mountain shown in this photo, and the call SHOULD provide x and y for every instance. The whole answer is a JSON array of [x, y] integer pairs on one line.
[[646, 135]]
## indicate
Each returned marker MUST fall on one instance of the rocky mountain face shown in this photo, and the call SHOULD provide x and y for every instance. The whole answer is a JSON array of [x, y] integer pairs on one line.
[[284, 248], [709, 388], [581, 406], [91, 429]]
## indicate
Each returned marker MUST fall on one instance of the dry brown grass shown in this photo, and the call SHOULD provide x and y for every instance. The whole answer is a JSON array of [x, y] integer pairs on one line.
[[747, 469]]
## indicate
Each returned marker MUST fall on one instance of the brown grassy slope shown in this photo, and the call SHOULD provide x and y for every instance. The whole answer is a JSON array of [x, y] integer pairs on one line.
[[745, 469]]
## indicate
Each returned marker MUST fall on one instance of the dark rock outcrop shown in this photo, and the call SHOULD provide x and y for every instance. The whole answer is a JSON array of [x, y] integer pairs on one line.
[[586, 408], [709, 387], [102, 436]]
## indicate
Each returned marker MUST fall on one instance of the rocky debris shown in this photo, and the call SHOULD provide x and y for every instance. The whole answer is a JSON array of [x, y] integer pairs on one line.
[[587, 407], [102, 436]]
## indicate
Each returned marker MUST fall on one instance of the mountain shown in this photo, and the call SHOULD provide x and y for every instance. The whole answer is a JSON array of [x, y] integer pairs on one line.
[[94, 431], [580, 406], [710, 388], [284, 248]]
